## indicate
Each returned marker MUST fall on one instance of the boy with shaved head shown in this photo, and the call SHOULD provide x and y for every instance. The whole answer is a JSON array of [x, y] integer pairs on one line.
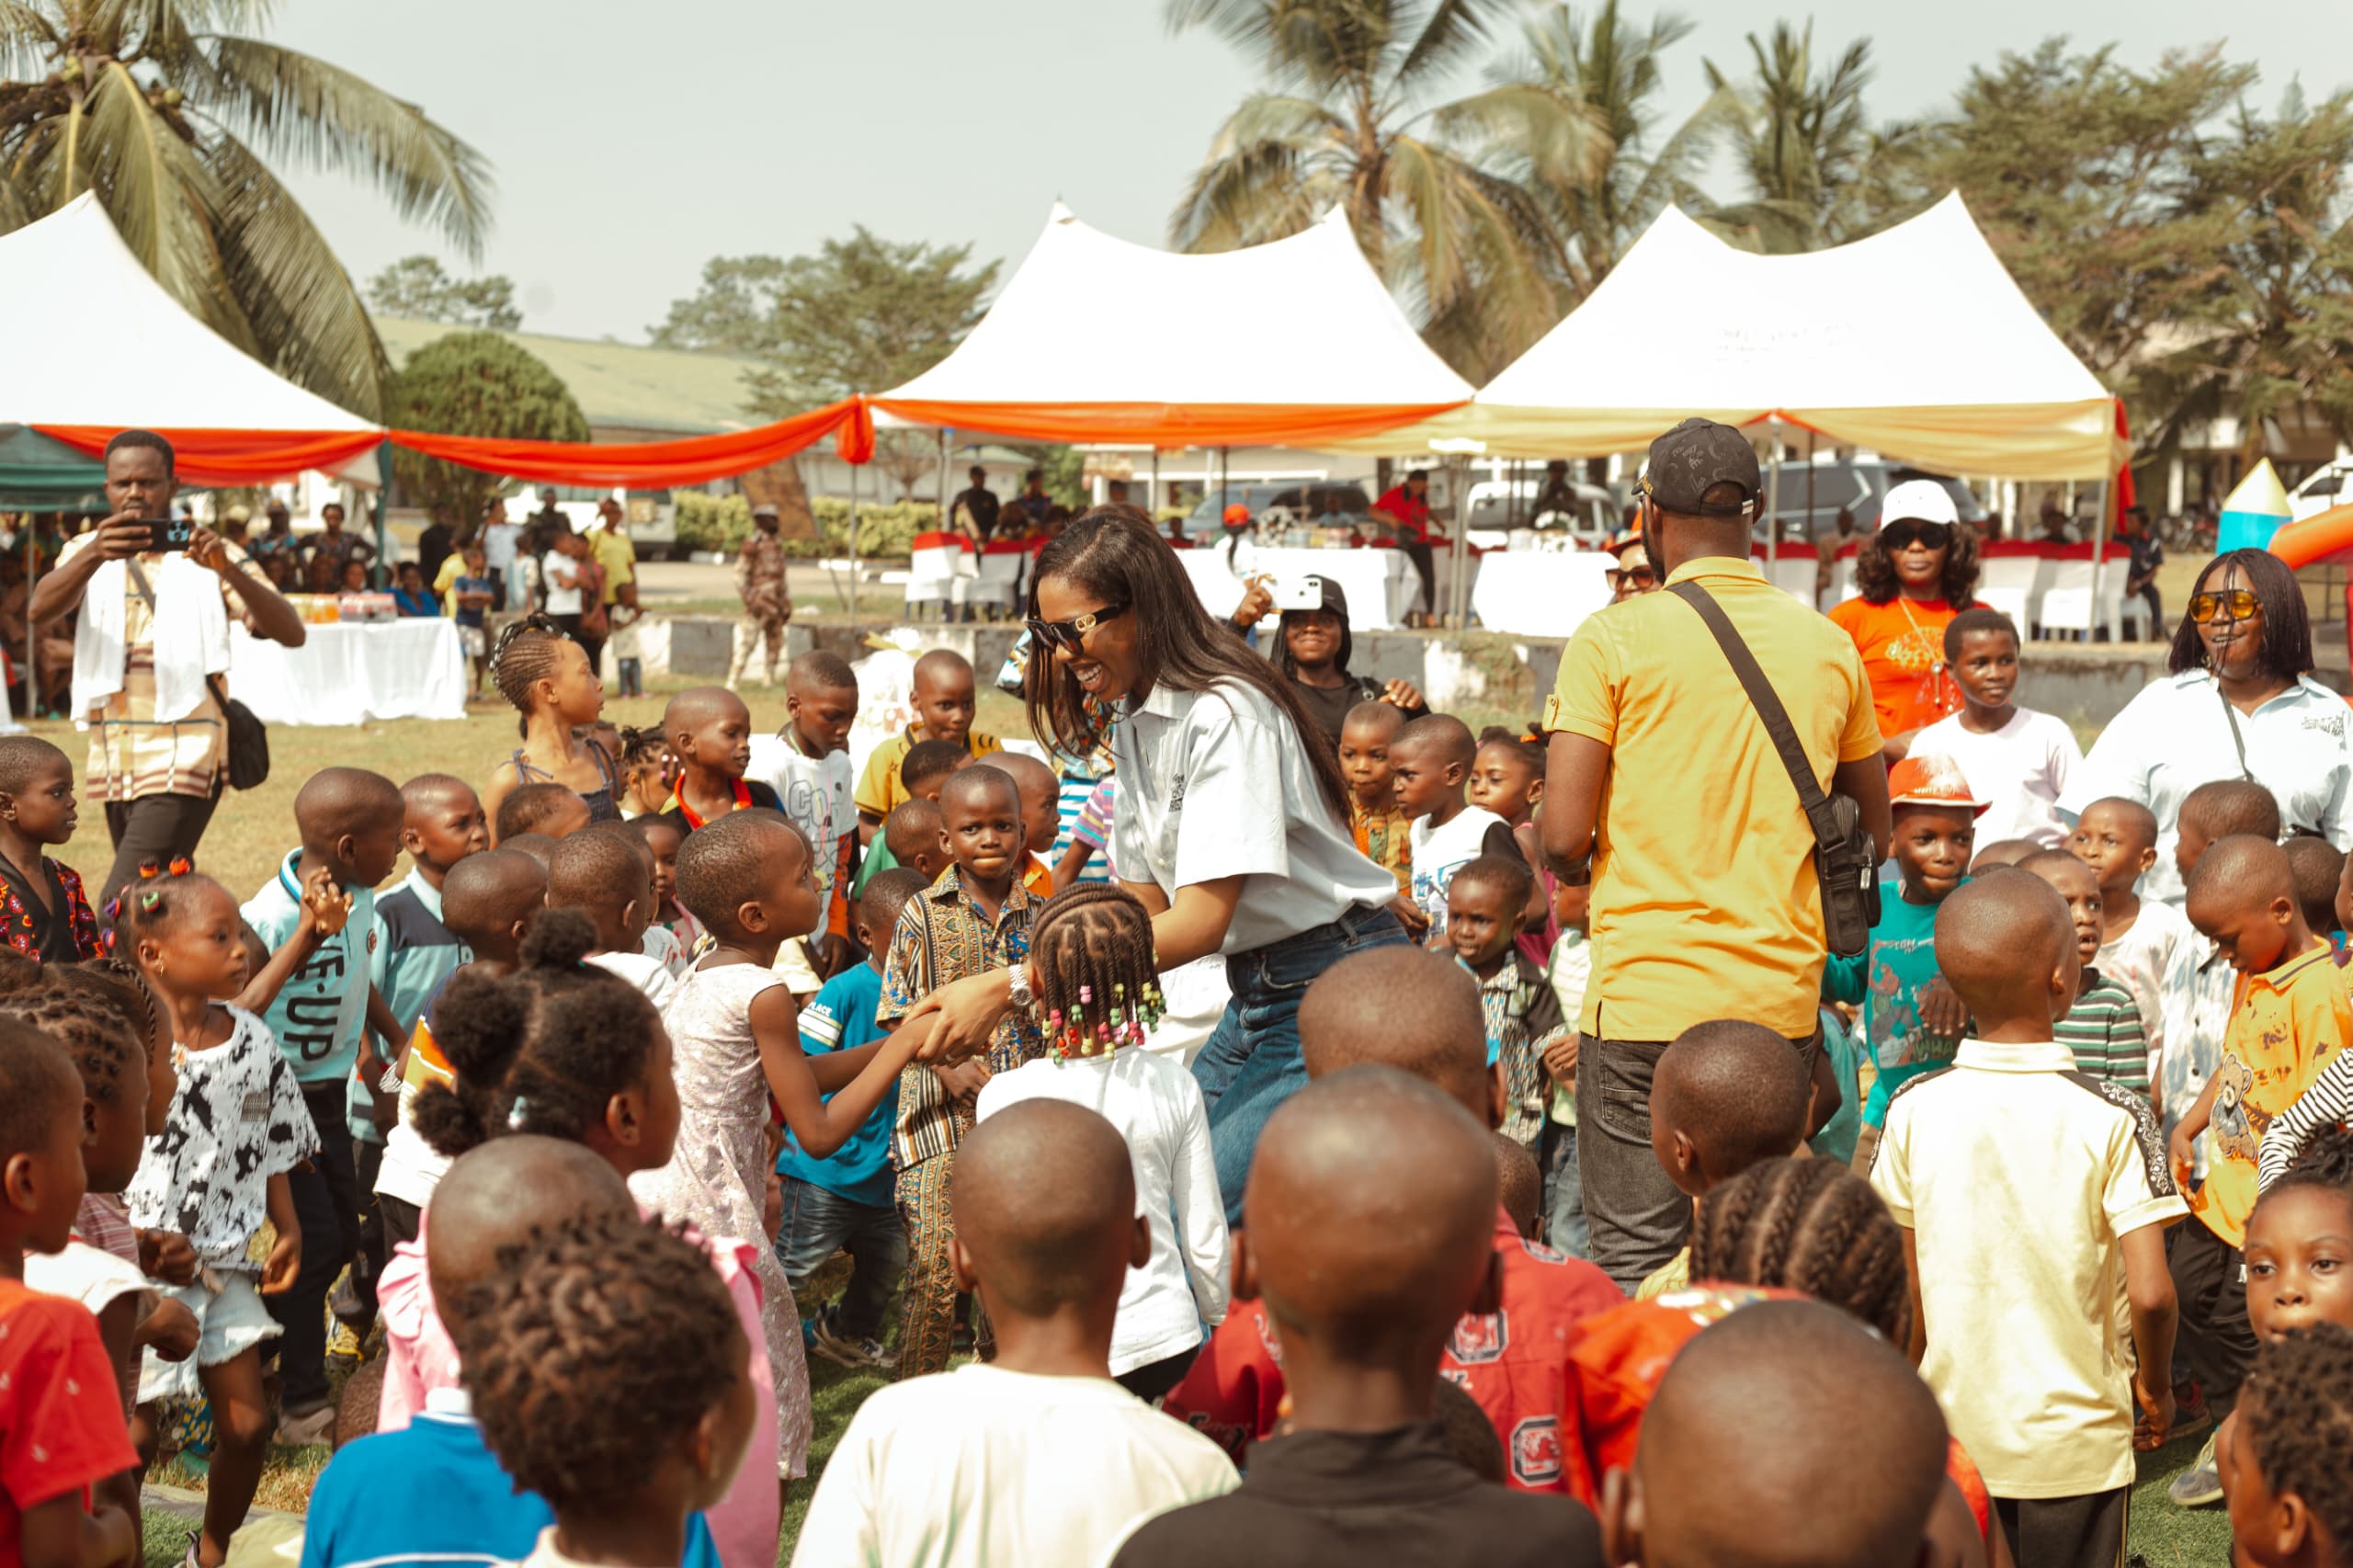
[[709, 731], [497, 1198], [807, 764], [1725, 1096], [1430, 762], [2290, 1016], [1036, 1456], [1364, 1264], [1754, 1412], [2033, 1197], [975, 918], [351, 821], [945, 705], [1418, 1011]]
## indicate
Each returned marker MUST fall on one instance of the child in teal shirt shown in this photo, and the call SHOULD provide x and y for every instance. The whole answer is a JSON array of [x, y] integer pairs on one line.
[[1911, 1022]]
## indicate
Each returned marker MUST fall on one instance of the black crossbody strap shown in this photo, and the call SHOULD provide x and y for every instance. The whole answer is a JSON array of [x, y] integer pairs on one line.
[[1768, 707]]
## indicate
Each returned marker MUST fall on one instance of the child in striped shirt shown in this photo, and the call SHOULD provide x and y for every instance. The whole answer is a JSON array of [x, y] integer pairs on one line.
[[2103, 1029]]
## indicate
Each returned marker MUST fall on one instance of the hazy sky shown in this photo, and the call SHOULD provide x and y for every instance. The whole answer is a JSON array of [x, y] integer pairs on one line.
[[632, 142]]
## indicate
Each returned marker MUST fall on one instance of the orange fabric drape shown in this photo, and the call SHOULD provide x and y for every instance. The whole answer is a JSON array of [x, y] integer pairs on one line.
[[1166, 424], [648, 465], [233, 457]]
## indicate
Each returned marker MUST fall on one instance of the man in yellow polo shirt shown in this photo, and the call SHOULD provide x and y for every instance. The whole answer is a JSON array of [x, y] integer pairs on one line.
[[1662, 779]]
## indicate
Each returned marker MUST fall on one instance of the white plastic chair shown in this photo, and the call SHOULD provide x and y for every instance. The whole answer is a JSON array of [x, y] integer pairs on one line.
[[2008, 582], [1794, 575], [995, 585], [2011, 602], [2067, 604]]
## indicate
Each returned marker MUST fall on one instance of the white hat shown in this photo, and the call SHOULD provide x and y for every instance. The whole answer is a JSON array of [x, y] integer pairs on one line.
[[1918, 501]]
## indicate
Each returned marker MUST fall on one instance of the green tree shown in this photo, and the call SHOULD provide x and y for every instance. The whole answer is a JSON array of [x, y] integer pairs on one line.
[[416, 286], [733, 313], [1615, 70], [1816, 172], [473, 383], [173, 122], [1441, 193], [2078, 170], [2268, 337]]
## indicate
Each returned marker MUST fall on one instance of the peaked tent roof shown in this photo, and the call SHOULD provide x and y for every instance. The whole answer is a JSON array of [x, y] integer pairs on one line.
[[94, 345], [1914, 343], [1288, 342]]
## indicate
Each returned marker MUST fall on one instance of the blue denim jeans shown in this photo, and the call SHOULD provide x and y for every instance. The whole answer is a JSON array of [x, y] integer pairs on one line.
[[1566, 1229], [817, 1224], [1252, 1063]]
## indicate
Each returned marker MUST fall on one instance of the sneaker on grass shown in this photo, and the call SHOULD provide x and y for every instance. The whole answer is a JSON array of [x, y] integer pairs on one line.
[[2201, 1484]]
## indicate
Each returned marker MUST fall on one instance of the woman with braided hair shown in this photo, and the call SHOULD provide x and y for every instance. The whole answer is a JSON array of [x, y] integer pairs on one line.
[[1098, 990], [1782, 1227], [547, 678]]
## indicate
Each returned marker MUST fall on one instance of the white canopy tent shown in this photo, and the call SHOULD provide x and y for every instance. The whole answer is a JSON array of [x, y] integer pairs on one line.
[[1914, 343], [1096, 339], [94, 340]]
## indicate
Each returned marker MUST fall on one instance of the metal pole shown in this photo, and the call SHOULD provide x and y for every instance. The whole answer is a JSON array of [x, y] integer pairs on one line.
[[32, 632], [383, 495], [1773, 496], [1154, 500], [2100, 554], [946, 522]]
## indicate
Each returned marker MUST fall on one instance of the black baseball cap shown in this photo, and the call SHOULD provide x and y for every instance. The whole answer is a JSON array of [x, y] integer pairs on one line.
[[1693, 458]]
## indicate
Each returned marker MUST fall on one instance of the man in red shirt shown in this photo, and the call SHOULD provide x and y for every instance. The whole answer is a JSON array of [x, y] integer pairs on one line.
[[1409, 503], [1419, 1011]]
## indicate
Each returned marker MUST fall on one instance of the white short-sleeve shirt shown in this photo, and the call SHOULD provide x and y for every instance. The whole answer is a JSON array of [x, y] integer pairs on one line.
[[2175, 736], [1218, 783]]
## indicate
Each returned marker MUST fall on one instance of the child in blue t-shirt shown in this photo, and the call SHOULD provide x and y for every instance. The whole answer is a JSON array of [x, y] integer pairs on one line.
[[350, 822], [847, 1202], [1911, 1021]]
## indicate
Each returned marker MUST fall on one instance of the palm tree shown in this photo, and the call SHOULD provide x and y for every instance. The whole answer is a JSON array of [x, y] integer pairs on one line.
[[1440, 194], [167, 117], [1816, 172], [1615, 71]]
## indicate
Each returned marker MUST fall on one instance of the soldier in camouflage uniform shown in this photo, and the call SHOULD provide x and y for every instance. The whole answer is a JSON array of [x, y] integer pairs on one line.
[[759, 578]]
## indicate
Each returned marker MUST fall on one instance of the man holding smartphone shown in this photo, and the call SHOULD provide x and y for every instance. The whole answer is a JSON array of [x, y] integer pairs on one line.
[[155, 597]]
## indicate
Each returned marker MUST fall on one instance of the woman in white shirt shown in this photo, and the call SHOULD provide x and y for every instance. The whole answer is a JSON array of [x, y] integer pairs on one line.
[[560, 579], [1233, 826], [2238, 705]]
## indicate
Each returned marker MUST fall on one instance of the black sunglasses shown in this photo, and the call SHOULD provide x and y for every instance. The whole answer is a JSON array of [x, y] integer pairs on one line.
[[1901, 536], [1071, 633]]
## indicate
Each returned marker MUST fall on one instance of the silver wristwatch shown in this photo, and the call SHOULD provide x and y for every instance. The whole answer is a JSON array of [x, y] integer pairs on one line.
[[1020, 989]]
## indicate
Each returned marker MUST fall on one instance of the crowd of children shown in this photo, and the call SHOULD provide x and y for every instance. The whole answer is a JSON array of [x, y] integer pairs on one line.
[[561, 1132]]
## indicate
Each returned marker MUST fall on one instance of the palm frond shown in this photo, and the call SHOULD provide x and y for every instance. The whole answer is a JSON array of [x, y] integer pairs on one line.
[[162, 199], [1454, 29], [1260, 180], [308, 320], [296, 106], [1556, 138], [28, 39]]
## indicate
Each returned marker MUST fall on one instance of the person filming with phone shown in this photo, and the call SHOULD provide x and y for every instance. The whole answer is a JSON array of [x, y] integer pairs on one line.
[[1314, 657], [151, 651]]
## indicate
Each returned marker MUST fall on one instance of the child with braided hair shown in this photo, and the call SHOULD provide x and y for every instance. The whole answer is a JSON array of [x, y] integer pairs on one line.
[[2286, 1453], [236, 1129], [1091, 949], [547, 678], [563, 1049], [610, 1377], [648, 770], [1782, 1227]]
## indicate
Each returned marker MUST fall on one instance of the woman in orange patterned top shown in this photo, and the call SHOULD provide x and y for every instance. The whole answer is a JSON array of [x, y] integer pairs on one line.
[[1916, 573]]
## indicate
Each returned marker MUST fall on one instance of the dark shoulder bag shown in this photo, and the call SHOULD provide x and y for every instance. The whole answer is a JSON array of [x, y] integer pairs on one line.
[[248, 736], [1846, 857]]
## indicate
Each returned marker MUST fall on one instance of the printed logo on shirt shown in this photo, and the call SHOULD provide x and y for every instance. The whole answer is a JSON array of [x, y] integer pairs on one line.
[[1536, 1451], [256, 1108], [2327, 723], [1479, 1338]]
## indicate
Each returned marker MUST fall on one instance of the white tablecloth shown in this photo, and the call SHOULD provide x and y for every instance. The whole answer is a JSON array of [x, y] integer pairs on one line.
[[1540, 593], [1380, 583], [411, 668]]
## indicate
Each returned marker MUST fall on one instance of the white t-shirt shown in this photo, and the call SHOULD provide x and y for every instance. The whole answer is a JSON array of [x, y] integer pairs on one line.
[[817, 793], [498, 542], [983, 1466], [2022, 768], [236, 1120], [1158, 1108], [643, 970], [1439, 853], [561, 574], [2138, 961]]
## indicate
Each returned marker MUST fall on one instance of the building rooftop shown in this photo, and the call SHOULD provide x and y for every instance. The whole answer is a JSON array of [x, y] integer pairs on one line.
[[620, 386]]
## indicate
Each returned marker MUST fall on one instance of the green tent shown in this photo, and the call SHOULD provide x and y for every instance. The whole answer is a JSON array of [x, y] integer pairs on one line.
[[38, 474]]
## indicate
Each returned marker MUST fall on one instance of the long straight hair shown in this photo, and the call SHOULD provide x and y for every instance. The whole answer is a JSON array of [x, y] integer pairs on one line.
[[1112, 552]]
